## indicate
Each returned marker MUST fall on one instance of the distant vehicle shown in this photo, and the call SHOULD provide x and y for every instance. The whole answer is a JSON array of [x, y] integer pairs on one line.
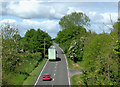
[[52, 53], [46, 76]]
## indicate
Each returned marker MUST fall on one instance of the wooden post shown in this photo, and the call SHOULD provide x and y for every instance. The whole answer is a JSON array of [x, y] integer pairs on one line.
[[44, 47]]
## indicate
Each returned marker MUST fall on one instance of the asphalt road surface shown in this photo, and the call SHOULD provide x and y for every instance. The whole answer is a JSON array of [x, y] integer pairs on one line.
[[58, 70]]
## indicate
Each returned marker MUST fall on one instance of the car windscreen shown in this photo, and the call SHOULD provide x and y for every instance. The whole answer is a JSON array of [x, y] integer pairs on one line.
[[46, 75]]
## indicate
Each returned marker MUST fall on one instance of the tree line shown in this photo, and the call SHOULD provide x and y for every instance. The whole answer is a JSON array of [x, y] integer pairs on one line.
[[21, 55], [98, 53]]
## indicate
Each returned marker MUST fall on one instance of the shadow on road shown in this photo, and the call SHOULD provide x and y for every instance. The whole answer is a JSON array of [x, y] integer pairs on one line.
[[57, 59]]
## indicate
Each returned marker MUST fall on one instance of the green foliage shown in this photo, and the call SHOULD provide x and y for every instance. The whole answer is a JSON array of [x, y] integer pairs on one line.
[[12, 78], [21, 55], [70, 38], [74, 19], [30, 60], [76, 80], [98, 53], [27, 63], [31, 79], [17, 37], [34, 41], [65, 36], [75, 50], [117, 48], [100, 62]]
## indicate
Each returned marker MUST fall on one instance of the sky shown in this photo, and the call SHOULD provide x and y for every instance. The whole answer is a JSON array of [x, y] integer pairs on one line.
[[46, 14]]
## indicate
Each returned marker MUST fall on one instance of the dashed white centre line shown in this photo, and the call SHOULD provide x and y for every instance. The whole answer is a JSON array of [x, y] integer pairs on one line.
[[53, 79], [54, 74]]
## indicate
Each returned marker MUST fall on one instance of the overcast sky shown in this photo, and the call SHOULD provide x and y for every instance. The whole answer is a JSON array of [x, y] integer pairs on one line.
[[46, 14]]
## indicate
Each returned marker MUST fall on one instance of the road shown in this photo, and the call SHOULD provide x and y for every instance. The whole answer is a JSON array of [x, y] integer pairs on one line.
[[58, 70]]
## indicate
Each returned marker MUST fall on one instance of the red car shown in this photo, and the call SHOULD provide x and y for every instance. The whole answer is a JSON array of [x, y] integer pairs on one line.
[[46, 76]]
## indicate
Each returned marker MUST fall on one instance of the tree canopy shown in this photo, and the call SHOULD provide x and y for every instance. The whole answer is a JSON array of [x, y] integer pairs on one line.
[[74, 19], [97, 54], [34, 40]]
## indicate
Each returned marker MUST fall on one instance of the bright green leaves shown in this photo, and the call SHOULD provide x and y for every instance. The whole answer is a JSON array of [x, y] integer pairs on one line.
[[100, 61], [34, 40], [74, 19], [117, 48], [75, 50], [99, 53], [21, 55]]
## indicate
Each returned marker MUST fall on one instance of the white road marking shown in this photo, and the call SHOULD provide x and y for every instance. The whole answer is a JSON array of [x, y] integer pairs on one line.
[[53, 79], [54, 74], [67, 67], [40, 73]]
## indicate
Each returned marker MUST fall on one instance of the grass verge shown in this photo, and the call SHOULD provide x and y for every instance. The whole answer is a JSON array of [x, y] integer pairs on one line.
[[33, 75], [73, 65], [77, 80]]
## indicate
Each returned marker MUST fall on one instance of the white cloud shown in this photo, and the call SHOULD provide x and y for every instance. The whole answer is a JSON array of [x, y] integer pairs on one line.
[[27, 9], [50, 26], [67, 0], [52, 11], [99, 28], [34, 9], [109, 16], [93, 13], [73, 9], [41, 9], [102, 17], [7, 21]]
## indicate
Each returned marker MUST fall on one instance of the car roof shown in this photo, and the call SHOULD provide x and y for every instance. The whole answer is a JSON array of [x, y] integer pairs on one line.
[[46, 74]]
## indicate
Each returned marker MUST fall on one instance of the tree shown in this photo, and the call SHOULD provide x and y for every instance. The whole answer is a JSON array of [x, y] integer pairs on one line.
[[74, 19], [28, 41], [17, 37], [9, 47], [34, 41]]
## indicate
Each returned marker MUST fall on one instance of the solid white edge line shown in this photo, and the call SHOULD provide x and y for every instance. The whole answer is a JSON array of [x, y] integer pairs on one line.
[[67, 67], [40, 74]]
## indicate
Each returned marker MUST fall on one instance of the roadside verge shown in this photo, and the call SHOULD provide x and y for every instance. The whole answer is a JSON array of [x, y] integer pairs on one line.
[[35, 73]]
